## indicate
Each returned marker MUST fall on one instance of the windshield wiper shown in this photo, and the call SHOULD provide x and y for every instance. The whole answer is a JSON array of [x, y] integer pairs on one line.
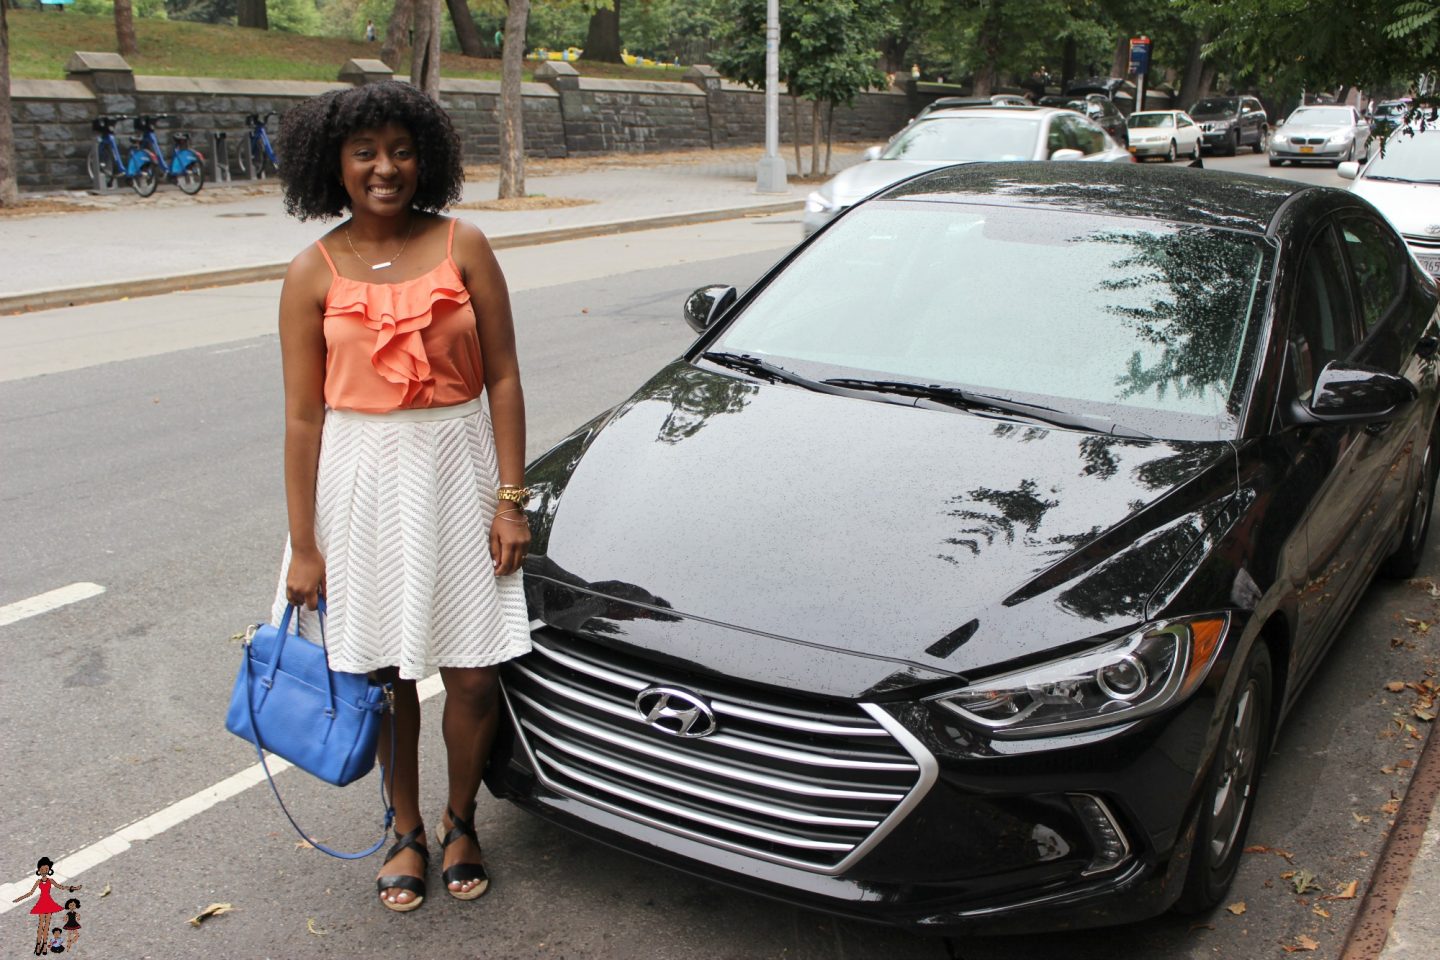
[[778, 374], [1375, 176], [965, 400]]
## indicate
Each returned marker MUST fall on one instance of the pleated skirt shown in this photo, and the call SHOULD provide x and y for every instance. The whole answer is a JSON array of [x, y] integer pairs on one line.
[[403, 507]]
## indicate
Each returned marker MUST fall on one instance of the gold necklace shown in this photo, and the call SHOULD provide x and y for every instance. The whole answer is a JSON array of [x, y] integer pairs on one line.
[[387, 263]]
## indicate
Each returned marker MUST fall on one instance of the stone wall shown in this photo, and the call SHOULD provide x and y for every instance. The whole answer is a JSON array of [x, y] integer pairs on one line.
[[565, 113]]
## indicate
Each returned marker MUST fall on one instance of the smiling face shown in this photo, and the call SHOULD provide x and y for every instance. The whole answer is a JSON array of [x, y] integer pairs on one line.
[[380, 169]]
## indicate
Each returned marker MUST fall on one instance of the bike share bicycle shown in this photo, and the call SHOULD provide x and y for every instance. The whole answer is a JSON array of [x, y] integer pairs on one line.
[[185, 167], [104, 163], [258, 159]]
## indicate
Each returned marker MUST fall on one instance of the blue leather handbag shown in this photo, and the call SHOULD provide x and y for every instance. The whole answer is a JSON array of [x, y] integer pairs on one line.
[[288, 701]]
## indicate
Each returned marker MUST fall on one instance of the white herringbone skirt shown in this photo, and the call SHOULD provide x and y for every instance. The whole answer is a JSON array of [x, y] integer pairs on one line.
[[403, 507]]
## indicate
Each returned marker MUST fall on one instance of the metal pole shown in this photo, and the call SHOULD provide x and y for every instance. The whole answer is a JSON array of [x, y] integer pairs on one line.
[[770, 172]]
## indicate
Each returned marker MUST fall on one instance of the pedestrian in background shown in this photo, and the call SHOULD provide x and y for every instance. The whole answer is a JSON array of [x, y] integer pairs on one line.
[[370, 31], [404, 492]]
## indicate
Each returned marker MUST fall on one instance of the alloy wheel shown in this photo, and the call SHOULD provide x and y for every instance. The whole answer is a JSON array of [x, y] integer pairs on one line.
[[1238, 758]]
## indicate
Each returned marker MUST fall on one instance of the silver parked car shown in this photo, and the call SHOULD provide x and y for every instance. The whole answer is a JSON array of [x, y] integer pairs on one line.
[[1328, 133], [964, 135], [1403, 181]]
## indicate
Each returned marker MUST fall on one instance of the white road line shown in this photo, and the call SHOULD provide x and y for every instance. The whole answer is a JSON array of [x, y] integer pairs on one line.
[[70, 866], [45, 602]]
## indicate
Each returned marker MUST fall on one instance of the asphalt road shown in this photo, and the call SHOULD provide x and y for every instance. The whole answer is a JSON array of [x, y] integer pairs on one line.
[[157, 476]]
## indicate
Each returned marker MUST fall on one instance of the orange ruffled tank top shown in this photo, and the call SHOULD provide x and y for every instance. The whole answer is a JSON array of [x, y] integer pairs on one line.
[[393, 346]]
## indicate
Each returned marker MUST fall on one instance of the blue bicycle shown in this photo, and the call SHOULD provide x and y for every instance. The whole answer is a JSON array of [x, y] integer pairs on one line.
[[186, 167], [104, 163], [258, 157]]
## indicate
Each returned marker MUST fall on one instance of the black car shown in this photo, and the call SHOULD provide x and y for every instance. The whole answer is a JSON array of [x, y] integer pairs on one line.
[[1098, 108], [1229, 123], [921, 592]]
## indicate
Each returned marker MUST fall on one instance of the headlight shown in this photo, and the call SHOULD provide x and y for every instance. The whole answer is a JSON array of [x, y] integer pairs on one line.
[[1345, 136], [1220, 126], [817, 202], [1124, 680]]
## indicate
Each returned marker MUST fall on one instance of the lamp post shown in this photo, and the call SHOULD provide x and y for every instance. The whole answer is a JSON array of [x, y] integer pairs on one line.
[[770, 171]]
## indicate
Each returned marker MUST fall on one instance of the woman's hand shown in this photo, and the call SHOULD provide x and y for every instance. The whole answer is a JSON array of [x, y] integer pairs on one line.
[[305, 581], [509, 538]]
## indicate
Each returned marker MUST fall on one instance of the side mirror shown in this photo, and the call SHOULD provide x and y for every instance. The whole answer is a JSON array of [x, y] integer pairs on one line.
[[1280, 122], [704, 306], [1349, 169], [1354, 393], [872, 153], [1067, 153]]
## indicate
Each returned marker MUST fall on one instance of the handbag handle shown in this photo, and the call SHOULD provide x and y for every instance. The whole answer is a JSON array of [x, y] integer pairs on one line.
[[260, 750]]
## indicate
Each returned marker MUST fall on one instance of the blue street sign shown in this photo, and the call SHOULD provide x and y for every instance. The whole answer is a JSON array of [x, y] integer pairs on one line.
[[1139, 55]]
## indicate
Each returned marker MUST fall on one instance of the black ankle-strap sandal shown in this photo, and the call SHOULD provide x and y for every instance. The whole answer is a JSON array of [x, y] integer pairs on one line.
[[462, 873], [416, 885]]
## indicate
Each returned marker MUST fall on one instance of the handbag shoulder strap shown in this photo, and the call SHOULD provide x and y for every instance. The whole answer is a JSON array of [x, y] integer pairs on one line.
[[260, 752]]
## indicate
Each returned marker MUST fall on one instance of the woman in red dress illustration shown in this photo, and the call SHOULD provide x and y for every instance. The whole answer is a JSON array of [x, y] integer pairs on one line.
[[45, 908]]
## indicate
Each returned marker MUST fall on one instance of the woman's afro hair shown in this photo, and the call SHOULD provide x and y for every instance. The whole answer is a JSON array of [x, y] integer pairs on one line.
[[312, 132]]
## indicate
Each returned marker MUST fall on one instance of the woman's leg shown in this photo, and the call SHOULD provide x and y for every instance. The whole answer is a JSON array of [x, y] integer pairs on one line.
[[42, 933], [402, 779], [472, 710]]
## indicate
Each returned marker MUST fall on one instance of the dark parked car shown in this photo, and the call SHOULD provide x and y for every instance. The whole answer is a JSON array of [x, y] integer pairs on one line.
[[1232, 122], [922, 592]]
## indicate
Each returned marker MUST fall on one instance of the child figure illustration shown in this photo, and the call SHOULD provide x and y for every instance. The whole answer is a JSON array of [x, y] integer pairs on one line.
[[72, 923], [57, 945], [45, 908]]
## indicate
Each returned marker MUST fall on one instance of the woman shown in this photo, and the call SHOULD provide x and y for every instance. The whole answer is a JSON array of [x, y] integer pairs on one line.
[[45, 907], [404, 505]]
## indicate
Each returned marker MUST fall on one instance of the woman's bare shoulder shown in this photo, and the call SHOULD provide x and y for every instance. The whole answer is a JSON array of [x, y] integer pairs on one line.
[[309, 273]]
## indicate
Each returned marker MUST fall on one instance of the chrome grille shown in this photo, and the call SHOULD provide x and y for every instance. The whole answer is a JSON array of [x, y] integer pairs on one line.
[[1422, 241], [782, 779]]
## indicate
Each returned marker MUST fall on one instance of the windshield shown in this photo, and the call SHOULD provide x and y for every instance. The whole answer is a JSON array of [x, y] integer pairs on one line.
[[1144, 323], [1404, 157], [966, 138], [1151, 120], [1214, 106], [1391, 109], [1322, 116]]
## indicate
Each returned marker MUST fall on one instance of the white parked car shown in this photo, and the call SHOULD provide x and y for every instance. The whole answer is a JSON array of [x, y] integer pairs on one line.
[[1403, 181], [1164, 133], [964, 135]]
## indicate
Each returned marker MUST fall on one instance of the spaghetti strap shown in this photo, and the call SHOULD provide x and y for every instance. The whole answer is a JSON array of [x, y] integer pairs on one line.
[[326, 254], [450, 241]]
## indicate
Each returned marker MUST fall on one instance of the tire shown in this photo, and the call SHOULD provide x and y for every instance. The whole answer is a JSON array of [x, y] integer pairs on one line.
[[98, 161], [192, 178], [1275, 163], [145, 180], [1227, 798], [1262, 140], [1195, 151], [1232, 146], [1402, 564], [1171, 154]]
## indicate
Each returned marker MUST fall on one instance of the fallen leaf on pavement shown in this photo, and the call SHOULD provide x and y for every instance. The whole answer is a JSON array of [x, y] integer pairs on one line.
[[1395, 686], [1405, 764], [1390, 807], [1258, 848], [106, 891], [1237, 908], [1320, 911], [1287, 874], [1360, 818], [1305, 882], [310, 926], [1344, 891], [1423, 714], [1387, 769], [214, 910]]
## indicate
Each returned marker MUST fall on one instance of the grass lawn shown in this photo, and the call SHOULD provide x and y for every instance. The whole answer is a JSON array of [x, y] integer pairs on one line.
[[41, 42]]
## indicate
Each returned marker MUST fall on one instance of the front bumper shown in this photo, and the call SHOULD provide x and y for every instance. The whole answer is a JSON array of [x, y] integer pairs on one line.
[[1159, 149], [994, 836], [1329, 152]]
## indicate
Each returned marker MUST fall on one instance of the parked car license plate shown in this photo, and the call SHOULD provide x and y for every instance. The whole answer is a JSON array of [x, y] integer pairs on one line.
[[1307, 149], [1430, 263]]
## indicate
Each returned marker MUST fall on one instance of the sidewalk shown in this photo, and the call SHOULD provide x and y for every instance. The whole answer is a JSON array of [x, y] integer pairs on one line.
[[138, 247]]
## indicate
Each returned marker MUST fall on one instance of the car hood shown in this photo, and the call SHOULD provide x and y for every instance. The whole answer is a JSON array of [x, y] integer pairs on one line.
[[1413, 208], [856, 183], [850, 547], [1212, 117], [1312, 129]]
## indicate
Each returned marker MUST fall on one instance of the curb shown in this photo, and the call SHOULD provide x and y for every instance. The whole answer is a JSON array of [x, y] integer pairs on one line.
[[153, 286]]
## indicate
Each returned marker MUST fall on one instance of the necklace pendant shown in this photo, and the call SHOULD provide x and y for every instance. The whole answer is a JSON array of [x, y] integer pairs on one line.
[[381, 266]]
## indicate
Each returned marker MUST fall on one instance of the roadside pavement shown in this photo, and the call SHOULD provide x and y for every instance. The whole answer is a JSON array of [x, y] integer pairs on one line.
[[136, 247]]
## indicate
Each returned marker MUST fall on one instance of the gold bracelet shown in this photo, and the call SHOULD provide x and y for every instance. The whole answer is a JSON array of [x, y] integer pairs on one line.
[[515, 494], [503, 516]]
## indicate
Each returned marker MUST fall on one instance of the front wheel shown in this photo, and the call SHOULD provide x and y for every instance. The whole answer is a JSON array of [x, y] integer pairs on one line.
[[1195, 151], [144, 180], [1403, 563], [1171, 153], [1275, 163], [1262, 140], [100, 167], [1227, 798], [192, 178]]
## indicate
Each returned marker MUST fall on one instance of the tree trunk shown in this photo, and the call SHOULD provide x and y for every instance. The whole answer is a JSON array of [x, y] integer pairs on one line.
[[829, 134], [795, 115], [465, 30], [125, 29], [512, 119], [1067, 65], [397, 33], [988, 42], [9, 191], [814, 136], [602, 42], [251, 13], [1194, 66], [1207, 80], [1120, 63], [425, 56]]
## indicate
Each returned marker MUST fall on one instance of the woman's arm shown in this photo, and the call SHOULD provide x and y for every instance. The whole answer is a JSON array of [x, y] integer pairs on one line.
[[27, 895], [302, 352], [510, 533]]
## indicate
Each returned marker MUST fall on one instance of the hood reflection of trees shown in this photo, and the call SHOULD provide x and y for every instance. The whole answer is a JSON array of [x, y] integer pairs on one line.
[[695, 396]]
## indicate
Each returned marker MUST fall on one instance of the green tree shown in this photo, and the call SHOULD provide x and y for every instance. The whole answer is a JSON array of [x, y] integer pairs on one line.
[[9, 191]]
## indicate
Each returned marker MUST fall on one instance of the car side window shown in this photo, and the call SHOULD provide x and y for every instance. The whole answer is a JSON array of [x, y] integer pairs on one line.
[[1378, 267], [1057, 139], [1089, 136], [1323, 326]]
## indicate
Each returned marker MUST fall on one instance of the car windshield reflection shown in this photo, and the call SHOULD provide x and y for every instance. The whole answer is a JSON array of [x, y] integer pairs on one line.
[[1413, 158], [966, 138], [1131, 315]]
